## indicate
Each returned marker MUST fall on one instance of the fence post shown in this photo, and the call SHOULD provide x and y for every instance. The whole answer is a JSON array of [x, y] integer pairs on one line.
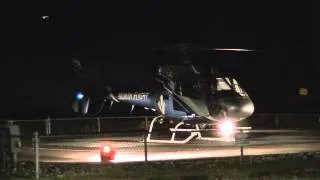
[[36, 153], [241, 154], [145, 139], [48, 126], [99, 124], [3, 153]]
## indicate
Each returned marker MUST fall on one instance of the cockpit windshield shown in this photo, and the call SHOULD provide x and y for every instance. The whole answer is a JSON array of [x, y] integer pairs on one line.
[[227, 84], [237, 88], [184, 81], [222, 85]]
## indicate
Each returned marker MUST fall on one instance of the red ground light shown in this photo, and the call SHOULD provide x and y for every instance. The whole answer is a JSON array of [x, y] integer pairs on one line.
[[107, 153]]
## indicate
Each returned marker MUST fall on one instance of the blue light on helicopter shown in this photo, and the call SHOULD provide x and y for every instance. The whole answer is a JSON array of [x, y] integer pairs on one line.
[[80, 96]]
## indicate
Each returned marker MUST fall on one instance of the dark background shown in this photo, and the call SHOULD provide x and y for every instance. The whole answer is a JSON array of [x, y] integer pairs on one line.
[[37, 79]]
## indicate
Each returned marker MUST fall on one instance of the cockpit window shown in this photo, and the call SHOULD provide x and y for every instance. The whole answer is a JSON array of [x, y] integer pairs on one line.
[[190, 89], [165, 71], [227, 84], [222, 85], [235, 86]]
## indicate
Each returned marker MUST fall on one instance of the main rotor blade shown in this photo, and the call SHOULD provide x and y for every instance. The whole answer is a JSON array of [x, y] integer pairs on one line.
[[189, 48], [232, 49]]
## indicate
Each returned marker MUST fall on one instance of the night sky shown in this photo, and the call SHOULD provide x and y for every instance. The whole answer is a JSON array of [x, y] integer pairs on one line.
[[37, 77]]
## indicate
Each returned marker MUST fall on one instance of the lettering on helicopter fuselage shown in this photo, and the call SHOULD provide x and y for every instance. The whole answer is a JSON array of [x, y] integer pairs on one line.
[[133, 96]]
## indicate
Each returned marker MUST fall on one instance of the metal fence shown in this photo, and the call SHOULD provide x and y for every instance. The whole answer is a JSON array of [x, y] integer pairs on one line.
[[64, 126], [88, 125]]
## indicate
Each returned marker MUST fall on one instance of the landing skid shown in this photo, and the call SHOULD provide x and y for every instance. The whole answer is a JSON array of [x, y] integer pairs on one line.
[[194, 133]]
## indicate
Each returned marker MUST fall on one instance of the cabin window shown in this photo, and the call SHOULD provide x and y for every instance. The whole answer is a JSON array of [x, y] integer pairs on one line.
[[165, 96], [178, 107], [190, 89]]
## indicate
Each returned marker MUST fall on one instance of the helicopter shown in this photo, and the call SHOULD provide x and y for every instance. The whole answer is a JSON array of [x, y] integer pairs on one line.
[[186, 93]]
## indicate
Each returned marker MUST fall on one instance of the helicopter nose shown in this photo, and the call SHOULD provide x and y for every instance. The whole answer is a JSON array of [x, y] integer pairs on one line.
[[239, 108], [247, 108]]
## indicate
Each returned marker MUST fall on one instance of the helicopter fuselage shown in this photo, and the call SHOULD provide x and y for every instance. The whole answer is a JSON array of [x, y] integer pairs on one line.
[[228, 101], [183, 94]]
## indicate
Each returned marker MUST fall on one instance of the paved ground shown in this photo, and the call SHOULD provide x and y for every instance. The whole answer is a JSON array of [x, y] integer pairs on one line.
[[130, 148]]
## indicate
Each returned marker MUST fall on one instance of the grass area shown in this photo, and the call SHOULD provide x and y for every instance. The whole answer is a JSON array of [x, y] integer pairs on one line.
[[293, 166]]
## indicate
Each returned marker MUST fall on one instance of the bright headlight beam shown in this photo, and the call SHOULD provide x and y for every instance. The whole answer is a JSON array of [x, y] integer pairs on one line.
[[227, 128]]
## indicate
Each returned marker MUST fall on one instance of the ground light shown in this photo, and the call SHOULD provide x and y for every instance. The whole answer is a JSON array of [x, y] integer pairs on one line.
[[107, 153]]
